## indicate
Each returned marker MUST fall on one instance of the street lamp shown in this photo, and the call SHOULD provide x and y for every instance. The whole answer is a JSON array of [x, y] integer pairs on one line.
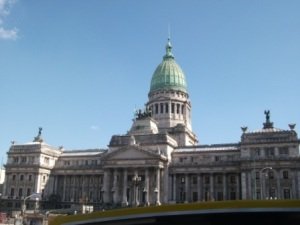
[[136, 180], [261, 180], [24, 201]]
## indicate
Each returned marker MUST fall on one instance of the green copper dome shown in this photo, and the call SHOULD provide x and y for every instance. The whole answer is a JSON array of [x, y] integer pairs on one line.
[[168, 75]]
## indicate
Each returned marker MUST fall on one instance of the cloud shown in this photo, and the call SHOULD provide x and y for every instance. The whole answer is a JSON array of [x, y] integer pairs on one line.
[[94, 127], [5, 7]]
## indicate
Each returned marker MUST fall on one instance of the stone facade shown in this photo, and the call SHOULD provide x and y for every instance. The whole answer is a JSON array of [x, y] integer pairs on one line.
[[159, 160]]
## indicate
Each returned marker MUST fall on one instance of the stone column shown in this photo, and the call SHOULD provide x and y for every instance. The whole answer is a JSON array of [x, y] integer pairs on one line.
[[293, 177], [115, 186], [224, 187], [187, 196], [211, 185], [106, 194], [199, 188], [64, 188], [238, 186], [147, 203], [165, 192], [278, 185], [124, 198], [157, 189], [243, 186], [174, 188]]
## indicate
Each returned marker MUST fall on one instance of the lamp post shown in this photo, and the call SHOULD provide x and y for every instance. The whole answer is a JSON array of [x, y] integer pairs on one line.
[[261, 172], [136, 180], [24, 202]]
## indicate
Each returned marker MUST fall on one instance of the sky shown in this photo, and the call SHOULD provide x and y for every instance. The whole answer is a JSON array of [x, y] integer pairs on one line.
[[78, 69]]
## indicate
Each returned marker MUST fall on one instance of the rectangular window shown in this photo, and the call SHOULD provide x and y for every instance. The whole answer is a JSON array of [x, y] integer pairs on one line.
[[20, 192], [217, 158], [283, 151], [14, 177], [271, 175], [167, 108], [232, 179], [206, 180], [182, 109], [232, 195], [161, 108], [178, 109], [172, 108], [285, 174], [156, 108], [219, 196], [21, 177], [270, 151], [12, 192], [182, 180], [286, 193], [16, 159], [194, 179], [195, 196], [30, 177], [257, 175], [28, 191], [23, 159], [219, 179]]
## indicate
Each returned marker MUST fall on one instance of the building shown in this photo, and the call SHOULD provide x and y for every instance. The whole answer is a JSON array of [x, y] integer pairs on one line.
[[159, 160]]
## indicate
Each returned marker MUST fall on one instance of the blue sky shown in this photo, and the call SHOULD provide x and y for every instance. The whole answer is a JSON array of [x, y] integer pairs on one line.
[[79, 68]]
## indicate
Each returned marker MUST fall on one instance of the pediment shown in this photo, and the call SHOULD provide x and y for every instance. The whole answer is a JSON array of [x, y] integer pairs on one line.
[[132, 153]]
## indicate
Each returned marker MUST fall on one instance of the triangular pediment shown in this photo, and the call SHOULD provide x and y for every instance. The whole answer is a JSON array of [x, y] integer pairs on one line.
[[132, 153]]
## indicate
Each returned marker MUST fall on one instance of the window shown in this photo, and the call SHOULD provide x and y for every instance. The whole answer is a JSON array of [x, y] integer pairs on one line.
[[29, 177], [156, 108], [272, 193], [23, 159], [257, 175], [167, 108], [28, 191], [14, 177], [285, 174], [182, 109], [283, 151], [232, 179], [16, 159], [271, 175], [161, 108], [195, 196], [182, 180], [270, 151], [206, 180], [181, 159], [12, 192], [286, 193], [232, 195], [194, 179], [219, 179], [44, 178], [217, 158], [178, 109], [20, 192], [172, 108], [219, 196], [21, 177]]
